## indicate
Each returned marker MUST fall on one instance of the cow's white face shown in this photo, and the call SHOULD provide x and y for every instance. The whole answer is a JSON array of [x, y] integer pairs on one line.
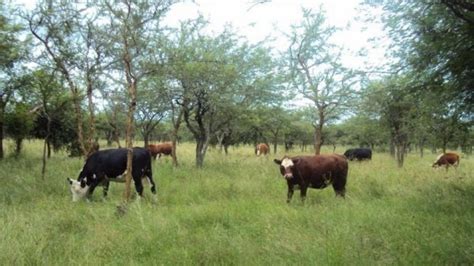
[[286, 167], [287, 164], [78, 192]]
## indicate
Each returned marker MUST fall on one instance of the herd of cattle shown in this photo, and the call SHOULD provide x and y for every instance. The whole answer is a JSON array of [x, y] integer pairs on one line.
[[300, 172]]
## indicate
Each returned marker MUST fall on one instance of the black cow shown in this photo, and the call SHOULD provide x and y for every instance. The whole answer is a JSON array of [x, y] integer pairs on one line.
[[110, 165], [317, 171], [358, 154]]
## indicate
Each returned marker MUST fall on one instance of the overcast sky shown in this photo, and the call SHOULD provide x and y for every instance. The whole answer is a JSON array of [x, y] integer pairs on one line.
[[274, 18]]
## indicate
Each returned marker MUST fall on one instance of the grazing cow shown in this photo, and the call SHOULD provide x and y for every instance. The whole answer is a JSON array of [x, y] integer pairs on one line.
[[358, 154], [110, 165], [317, 171], [447, 159], [159, 149], [262, 148]]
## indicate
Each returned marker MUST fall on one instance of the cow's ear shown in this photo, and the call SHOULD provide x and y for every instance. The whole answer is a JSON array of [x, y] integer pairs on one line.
[[69, 180], [277, 161], [295, 161]]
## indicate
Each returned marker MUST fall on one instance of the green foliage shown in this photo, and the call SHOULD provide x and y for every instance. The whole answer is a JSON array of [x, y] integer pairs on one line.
[[315, 70], [216, 80], [11, 49], [18, 124], [433, 40], [233, 211]]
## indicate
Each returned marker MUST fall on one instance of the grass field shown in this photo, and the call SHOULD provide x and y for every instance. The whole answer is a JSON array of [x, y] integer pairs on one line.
[[234, 211]]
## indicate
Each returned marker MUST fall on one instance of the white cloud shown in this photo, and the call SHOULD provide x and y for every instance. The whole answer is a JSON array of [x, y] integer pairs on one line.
[[256, 22]]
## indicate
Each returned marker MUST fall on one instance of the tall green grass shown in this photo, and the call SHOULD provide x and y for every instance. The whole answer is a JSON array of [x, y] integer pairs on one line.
[[233, 211]]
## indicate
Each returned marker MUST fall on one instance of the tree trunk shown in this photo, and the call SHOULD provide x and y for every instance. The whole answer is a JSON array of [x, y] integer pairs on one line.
[[422, 146], [400, 153], [117, 139], [317, 139], [109, 137], [18, 144], [2, 118], [275, 145], [46, 147], [78, 115], [201, 148], [132, 91], [146, 138], [174, 136], [115, 133], [202, 143], [91, 138], [220, 139], [392, 147], [444, 145], [226, 147], [1, 136], [318, 132], [43, 166]]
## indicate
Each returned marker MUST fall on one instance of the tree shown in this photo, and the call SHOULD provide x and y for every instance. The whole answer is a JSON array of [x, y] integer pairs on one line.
[[434, 40], [12, 51], [274, 122], [152, 106], [67, 33], [364, 129], [112, 120], [19, 123], [214, 79], [392, 102], [133, 26], [51, 102], [316, 73]]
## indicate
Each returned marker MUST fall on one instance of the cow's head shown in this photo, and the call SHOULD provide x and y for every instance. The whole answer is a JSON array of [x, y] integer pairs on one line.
[[287, 166], [79, 189]]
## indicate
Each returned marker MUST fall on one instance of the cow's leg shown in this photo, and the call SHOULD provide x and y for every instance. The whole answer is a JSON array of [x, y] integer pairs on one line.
[[149, 175], [91, 190], [153, 187], [106, 183], [290, 193], [137, 179], [340, 192], [303, 189], [339, 188]]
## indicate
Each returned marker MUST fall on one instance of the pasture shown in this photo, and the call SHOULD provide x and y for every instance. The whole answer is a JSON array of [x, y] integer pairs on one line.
[[234, 211]]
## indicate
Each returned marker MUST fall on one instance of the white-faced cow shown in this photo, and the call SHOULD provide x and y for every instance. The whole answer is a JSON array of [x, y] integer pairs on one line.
[[262, 148], [319, 171], [447, 159], [110, 165]]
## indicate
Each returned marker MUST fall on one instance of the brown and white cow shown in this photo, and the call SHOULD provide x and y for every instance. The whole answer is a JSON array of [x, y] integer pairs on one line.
[[447, 159], [319, 171], [160, 148], [262, 148]]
